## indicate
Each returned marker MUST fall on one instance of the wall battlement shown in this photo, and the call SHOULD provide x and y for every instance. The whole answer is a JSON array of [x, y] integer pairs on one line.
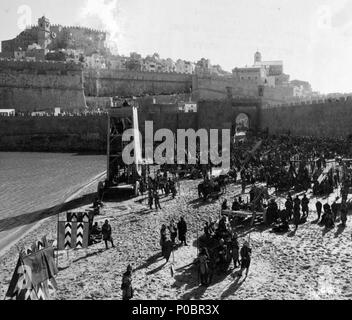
[[21, 65], [312, 102], [129, 83], [56, 26]]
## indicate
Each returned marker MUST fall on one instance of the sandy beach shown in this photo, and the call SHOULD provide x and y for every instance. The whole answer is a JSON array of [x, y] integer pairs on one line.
[[312, 264]]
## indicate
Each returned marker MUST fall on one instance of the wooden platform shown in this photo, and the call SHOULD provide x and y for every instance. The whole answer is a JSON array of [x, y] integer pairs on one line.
[[243, 214], [256, 215]]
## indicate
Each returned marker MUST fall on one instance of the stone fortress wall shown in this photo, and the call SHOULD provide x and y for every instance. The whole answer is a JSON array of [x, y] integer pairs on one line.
[[88, 133], [37, 86], [215, 87], [319, 118], [128, 83]]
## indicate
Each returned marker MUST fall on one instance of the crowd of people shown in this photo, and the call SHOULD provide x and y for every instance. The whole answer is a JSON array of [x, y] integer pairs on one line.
[[291, 165], [168, 236], [291, 162], [219, 248], [159, 184]]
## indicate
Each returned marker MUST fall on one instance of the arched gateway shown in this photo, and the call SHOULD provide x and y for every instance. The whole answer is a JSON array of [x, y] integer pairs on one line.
[[245, 115]]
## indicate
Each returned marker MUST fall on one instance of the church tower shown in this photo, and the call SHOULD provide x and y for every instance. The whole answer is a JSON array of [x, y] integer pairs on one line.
[[257, 58], [44, 37]]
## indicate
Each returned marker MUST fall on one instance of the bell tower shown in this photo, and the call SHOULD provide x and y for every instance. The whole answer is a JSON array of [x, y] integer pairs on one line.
[[257, 58], [44, 32]]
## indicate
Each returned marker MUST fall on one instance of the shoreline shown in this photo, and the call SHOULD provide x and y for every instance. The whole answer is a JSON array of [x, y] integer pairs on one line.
[[28, 228]]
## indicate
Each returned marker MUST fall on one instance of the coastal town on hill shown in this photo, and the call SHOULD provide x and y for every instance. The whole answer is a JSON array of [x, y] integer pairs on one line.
[[141, 178]]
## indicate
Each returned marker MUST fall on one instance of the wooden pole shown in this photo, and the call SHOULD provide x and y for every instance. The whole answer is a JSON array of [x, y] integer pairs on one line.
[[108, 149], [57, 242], [198, 275]]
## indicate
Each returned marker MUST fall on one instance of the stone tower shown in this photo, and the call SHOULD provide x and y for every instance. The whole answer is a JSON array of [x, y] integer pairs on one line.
[[44, 35], [257, 58]]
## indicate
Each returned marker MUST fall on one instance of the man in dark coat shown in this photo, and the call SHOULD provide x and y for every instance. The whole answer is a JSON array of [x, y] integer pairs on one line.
[[126, 286], [305, 207], [289, 207], [327, 212], [296, 212], [150, 198], [235, 250], [318, 206], [157, 200], [163, 239], [272, 211], [182, 230], [246, 253], [173, 188], [107, 231]]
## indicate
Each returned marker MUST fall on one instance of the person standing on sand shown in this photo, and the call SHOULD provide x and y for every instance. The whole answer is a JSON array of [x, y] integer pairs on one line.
[[235, 250], [150, 198], [289, 206], [182, 230], [157, 200], [318, 206], [246, 253], [107, 231], [126, 286], [163, 239], [327, 211], [100, 191], [203, 269], [296, 212], [305, 206], [173, 231]]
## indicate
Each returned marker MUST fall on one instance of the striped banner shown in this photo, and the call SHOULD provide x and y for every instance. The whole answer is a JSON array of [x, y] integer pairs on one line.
[[77, 216], [68, 235], [73, 235], [79, 238]]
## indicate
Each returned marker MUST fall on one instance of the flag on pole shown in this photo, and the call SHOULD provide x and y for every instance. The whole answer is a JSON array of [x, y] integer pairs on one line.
[[41, 264], [33, 278], [20, 287]]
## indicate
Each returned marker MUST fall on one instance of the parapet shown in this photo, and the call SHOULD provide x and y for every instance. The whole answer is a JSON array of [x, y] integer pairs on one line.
[[89, 30], [39, 65]]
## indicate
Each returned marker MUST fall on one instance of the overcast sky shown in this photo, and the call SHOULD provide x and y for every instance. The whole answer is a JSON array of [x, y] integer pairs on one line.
[[312, 37]]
